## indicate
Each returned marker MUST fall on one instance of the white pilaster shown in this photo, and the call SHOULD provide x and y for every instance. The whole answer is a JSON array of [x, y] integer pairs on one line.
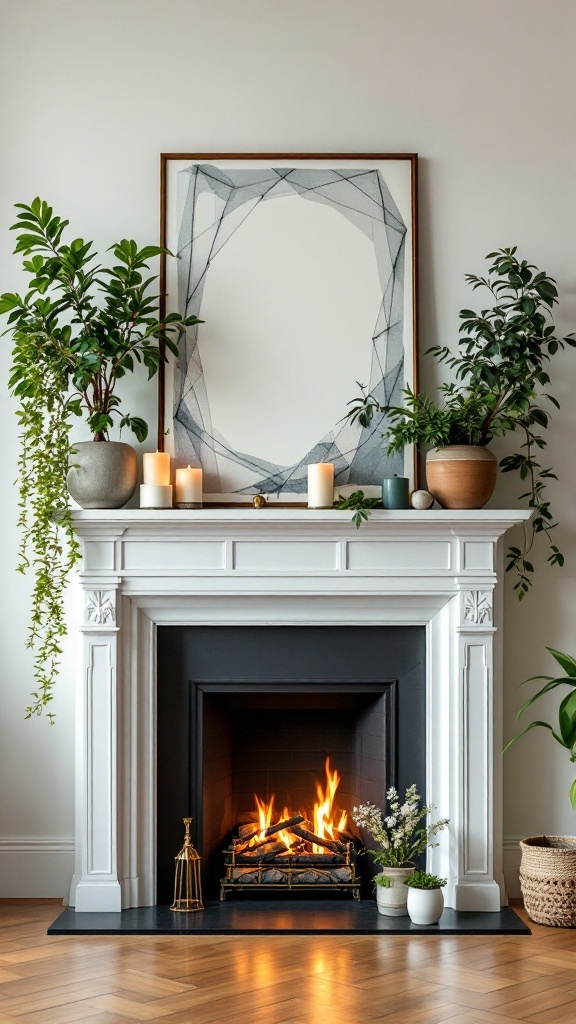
[[96, 886]]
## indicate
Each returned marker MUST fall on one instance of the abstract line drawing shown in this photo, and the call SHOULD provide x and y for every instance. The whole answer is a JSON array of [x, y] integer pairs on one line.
[[217, 202]]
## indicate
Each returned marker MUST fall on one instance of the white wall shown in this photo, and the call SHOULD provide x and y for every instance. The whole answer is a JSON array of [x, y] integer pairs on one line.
[[484, 90]]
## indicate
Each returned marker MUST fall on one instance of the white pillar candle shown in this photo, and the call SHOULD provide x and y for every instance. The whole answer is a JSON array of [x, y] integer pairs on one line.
[[321, 485], [157, 468], [155, 496], [188, 489]]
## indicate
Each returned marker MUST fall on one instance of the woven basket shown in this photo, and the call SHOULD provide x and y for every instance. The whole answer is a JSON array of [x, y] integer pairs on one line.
[[548, 879]]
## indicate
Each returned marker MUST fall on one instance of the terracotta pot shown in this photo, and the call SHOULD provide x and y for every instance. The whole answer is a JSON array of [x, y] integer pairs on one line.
[[461, 476]]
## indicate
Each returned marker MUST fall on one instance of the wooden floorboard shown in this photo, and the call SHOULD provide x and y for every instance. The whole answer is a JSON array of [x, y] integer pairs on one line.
[[375, 979]]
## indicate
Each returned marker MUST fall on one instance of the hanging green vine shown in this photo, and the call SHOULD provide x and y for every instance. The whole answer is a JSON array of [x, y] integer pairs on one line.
[[79, 328], [48, 544]]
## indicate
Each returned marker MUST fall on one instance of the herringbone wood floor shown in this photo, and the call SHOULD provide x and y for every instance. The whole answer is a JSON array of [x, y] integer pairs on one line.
[[280, 980]]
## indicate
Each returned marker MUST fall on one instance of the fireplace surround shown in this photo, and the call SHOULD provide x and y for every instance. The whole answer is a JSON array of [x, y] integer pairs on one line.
[[282, 567]]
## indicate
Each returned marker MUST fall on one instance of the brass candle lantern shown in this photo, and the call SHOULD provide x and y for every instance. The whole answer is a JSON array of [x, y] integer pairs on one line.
[[187, 884]]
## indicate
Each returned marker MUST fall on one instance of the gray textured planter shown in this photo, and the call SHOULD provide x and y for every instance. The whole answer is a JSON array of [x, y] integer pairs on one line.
[[102, 474]]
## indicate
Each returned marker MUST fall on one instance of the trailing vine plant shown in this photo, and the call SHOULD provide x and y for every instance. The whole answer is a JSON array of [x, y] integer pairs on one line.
[[360, 505], [501, 379], [78, 329]]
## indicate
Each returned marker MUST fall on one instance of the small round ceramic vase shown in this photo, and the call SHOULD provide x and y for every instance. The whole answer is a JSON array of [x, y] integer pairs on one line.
[[424, 906]]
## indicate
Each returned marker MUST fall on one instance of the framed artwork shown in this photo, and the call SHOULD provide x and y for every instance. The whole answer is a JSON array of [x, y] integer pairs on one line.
[[303, 268]]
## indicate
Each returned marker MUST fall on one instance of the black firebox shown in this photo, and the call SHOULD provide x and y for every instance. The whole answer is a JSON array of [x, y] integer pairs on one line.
[[246, 710]]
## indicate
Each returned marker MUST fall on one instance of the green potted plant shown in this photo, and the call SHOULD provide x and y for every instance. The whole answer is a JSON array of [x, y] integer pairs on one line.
[[425, 898], [79, 328], [548, 867], [501, 377], [400, 840]]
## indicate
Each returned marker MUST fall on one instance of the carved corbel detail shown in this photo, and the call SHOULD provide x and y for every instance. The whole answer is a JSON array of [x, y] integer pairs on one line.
[[101, 607], [477, 607]]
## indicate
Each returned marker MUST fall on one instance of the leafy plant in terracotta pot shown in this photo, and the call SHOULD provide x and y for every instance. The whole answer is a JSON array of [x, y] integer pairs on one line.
[[79, 328], [501, 379], [400, 838], [548, 868]]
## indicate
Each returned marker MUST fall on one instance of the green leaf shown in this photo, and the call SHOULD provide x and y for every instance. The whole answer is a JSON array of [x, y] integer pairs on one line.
[[573, 794], [565, 661], [533, 725], [545, 689], [567, 720], [138, 426]]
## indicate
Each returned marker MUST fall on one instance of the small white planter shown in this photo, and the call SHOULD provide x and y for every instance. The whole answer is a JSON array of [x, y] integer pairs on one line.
[[392, 900], [425, 906]]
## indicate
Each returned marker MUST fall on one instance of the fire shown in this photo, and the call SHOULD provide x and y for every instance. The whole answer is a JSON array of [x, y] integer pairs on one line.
[[327, 822], [265, 812], [324, 825]]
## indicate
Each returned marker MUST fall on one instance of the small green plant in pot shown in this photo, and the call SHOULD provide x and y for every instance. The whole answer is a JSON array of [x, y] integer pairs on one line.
[[501, 380], [548, 867], [425, 898], [400, 838], [79, 328]]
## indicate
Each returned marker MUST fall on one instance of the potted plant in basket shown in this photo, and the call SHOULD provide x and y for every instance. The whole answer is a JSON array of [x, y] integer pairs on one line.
[[78, 329], [425, 897], [401, 839], [548, 867], [500, 379]]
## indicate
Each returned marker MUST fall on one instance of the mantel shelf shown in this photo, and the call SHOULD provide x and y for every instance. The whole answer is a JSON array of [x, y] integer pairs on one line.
[[167, 520]]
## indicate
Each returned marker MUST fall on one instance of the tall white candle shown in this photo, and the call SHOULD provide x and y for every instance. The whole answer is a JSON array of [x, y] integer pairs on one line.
[[157, 468], [189, 487], [321, 485]]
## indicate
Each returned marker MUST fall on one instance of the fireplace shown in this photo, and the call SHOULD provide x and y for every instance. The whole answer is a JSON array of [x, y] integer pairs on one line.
[[145, 571], [256, 711]]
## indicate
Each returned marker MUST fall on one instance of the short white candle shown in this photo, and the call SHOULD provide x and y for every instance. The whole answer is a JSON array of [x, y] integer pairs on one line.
[[155, 496], [157, 468], [321, 485], [189, 487]]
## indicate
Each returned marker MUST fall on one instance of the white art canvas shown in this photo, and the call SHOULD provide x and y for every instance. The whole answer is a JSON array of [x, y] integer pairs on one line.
[[302, 270]]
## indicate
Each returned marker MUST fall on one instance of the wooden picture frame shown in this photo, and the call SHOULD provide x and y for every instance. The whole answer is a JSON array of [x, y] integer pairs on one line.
[[304, 269]]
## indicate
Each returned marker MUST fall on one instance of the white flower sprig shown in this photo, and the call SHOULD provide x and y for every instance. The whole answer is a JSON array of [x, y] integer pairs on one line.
[[398, 836]]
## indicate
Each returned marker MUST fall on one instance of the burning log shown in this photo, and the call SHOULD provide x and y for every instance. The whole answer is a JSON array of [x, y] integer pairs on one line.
[[286, 824], [247, 831], [264, 855], [328, 844]]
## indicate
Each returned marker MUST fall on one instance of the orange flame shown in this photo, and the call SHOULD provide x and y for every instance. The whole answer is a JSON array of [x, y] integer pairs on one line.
[[324, 826], [265, 811], [326, 823]]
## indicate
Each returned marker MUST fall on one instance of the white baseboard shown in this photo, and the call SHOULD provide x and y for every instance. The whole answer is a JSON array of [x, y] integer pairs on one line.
[[40, 868], [512, 855], [44, 867]]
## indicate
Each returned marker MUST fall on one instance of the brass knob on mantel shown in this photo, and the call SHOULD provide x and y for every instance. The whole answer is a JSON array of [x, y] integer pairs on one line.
[[259, 501]]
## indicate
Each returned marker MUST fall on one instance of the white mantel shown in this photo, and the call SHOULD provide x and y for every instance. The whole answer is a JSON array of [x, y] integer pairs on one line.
[[286, 566]]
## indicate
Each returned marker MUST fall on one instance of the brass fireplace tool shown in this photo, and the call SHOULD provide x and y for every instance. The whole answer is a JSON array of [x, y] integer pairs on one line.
[[187, 884]]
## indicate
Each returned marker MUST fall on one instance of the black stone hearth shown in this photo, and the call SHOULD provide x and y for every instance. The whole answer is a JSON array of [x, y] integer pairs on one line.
[[300, 917]]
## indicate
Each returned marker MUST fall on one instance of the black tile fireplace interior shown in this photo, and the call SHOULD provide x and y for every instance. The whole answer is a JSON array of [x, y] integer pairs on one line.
[[245, 710]]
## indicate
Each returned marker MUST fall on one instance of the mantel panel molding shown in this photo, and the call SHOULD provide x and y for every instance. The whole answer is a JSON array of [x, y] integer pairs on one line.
[[143, 568]]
